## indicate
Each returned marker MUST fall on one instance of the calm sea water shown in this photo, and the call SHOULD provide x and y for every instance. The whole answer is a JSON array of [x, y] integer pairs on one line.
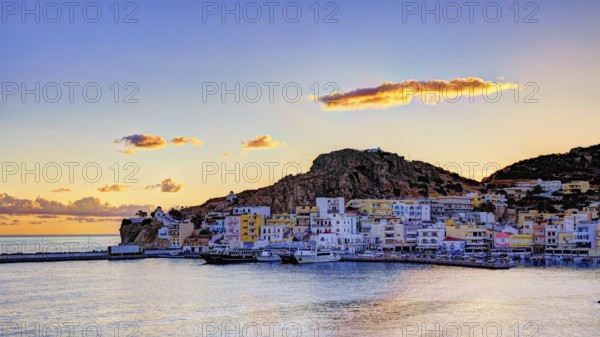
[[181, 297], [56, 244]]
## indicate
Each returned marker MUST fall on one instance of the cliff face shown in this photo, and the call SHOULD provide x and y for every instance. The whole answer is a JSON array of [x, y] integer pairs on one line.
[[577, 164], [144, 234], [351, 174]]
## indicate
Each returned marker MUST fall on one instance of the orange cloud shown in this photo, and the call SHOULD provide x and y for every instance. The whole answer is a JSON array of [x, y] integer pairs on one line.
[[148, 141], [262, 142], [127, 151], [391, 94], [45, 208], [144, 141], [167, 185], [13, 223], [112, 188], [185, 140], [227, 154], [58, 190], [81, 219]]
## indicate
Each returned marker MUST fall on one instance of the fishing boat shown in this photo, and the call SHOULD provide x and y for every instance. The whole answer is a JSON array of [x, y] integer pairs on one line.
[[303, 256], [288, 258], [230, 256]]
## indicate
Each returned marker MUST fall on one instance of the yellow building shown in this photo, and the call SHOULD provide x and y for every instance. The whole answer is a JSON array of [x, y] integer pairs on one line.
[[306, 210], [521, 240], [593, 210], [598, 238], [566, 240], [476, 237], [278, 228], [303, 214], [570, 187], [250, 225], [285, 219], [373, 207]]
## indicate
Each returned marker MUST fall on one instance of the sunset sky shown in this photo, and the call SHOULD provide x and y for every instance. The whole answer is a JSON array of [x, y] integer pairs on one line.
[[175, 127]]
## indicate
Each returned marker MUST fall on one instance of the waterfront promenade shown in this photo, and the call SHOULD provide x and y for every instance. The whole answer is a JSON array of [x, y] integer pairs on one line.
[[92, 256], [57, 257], [422, 260]]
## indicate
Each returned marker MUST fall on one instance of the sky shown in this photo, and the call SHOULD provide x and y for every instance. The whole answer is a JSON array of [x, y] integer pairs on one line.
[[109, 109]]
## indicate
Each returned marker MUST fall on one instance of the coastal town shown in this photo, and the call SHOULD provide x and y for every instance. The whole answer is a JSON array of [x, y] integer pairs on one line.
[[495, 222]]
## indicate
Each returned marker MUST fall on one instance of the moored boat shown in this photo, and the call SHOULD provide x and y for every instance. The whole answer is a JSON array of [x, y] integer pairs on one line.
[[303, 256], [287, 258], [230, 256], [267, 256]]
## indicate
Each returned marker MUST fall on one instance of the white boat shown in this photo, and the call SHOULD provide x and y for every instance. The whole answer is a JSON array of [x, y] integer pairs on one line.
[[303, 256], [368, 253], [267, 256]]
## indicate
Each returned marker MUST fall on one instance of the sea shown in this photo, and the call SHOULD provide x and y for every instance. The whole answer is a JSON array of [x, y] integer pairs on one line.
[[184, 297], [56, 243]]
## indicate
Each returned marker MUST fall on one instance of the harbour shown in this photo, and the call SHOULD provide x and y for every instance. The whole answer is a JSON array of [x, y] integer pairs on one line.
[[253, 257], [166, 297]]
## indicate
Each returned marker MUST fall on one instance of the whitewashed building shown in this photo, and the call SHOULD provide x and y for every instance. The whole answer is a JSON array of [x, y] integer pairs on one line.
[[265, 211], [586, 234], [327, 206], [549, 185], [232, 230], [335, 229], [430, 238], [411, 210]]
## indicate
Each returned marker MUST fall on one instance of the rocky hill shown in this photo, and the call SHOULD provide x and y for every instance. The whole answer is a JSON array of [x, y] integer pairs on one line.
[[577, 164], [144, 234], [350, 174]]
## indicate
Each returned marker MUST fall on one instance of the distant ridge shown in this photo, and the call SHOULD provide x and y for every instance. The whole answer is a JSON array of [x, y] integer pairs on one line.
[[351, 174], [580, 163]]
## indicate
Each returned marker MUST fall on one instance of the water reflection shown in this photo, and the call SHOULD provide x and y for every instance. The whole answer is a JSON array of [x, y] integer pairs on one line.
[[177, 297]]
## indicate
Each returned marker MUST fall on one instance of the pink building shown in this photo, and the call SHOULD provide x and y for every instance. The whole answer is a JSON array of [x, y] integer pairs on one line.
[[502, 240]]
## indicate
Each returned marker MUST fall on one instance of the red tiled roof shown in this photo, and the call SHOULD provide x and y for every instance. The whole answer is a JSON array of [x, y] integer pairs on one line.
[[451, 238]]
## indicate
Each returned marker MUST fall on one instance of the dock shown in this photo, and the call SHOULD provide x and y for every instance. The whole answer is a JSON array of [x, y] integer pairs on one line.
[[420, 260], [61, 257], [94, 256], [51, 257]]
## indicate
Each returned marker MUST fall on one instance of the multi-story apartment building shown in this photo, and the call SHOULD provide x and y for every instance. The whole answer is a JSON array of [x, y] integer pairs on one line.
[[412, 210], [265, 211], [497, 199], [430, 238], [586, 234], [552, 236], [521, 242], [566, 240], [176, 233], [278, 228], [502, 240], [572, 186], [250, 225], [524, 183], [327, 206], [476, 237], [233, 230], [549, 185], [374, 207], [453, 245], [539, 236], [593, 209], [455, 203], [389, 232], [335, 229]]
